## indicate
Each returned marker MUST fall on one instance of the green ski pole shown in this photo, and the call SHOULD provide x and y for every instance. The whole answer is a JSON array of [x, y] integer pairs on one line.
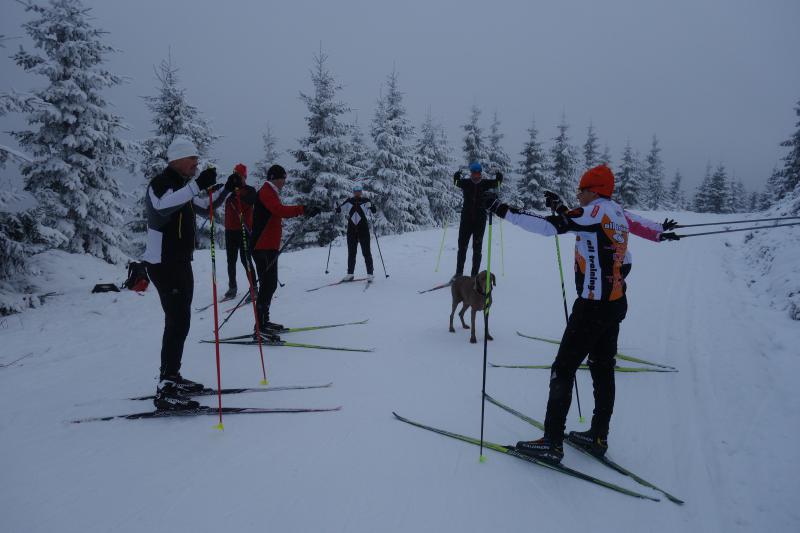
[[488, 291], [441, 247]]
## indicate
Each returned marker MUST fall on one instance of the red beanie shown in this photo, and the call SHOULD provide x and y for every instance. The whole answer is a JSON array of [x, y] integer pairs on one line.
[[241, 170], [598, 179]]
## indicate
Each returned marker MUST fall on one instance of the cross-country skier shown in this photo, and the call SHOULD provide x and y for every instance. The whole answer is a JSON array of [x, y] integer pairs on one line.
[[268, 215], [357, 231], [171, 201], [601, 243], [473, 215], [234, 244]]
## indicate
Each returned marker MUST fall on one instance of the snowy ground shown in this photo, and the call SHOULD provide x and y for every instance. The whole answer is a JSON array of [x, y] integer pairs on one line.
[[721, 434]]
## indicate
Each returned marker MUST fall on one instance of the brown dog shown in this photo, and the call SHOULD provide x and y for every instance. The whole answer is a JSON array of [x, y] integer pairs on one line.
[[473, 293]]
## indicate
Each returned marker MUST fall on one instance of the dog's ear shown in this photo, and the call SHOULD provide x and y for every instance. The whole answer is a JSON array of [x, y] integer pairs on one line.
[[494, 281]]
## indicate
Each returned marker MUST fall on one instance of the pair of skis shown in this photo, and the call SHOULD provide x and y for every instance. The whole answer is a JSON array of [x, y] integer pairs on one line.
[[512, 451], [622, 356], [340, 282], [247, 338], [204, 410], [223, 299]]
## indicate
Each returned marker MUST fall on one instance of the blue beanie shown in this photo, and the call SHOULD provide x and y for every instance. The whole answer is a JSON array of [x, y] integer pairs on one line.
[[475, 167]]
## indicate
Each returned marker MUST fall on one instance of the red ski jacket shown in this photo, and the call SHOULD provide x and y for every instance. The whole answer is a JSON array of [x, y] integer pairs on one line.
[[268, 215], [232, 206]]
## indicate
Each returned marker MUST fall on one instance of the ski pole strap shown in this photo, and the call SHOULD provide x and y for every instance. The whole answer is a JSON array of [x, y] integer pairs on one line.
[[752, 228]]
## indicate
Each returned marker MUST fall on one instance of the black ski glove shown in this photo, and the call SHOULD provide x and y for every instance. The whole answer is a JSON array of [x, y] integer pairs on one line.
[[499, 177], [216, 187], [206, 179], [373, 209], [668, 224], [553, 201], [311, 210], [233, 183], [457, 176], [669, 237]]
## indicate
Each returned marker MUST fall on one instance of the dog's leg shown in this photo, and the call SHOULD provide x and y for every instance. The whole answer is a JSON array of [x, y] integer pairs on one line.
[[452, 313], [472, 337], [461, 316]]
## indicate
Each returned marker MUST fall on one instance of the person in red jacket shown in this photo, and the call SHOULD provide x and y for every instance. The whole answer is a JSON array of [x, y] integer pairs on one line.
[[268, 215], [237, 205]]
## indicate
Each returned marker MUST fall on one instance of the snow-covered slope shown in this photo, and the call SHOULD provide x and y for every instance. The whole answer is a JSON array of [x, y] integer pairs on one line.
[[721, 433]]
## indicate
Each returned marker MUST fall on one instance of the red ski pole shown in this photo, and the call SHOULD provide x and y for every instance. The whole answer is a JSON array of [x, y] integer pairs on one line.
[[216, 306]]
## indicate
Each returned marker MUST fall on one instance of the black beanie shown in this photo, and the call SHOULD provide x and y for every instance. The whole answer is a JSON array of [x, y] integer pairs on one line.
[[276, 172]]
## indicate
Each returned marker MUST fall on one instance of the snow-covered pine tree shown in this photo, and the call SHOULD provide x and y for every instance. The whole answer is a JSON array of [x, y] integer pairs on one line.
[[737, 196], [532, 172], [474, 143], [323, 155], [791, 162], [563, 163], [675, 196], [269, 157], [497, 160], [654, 177], [754, 202], [75, 144], [772, 189], [361, 158], [591, 157], [629, 189], [702, 197], [605, 158], [395, 176], [435, 163], [718, 191]]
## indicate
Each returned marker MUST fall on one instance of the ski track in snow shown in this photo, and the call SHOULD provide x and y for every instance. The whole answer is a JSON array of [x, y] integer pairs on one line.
[[719, 434]]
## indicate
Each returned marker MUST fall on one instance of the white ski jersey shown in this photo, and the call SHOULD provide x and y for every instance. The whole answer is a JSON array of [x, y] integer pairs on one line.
[[601, 242]]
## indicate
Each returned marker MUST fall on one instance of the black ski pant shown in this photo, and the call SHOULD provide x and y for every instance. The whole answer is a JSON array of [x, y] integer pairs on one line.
[[592, 330], [175, 285], [471, 227], [356, 236], [233, 247], [267, 268]]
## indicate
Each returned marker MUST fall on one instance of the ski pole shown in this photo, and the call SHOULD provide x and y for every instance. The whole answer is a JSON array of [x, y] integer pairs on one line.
[[441, 247], [328, 262], [252, 291], [216, 305], [738, 229], [375, 231], [502, 252], [566, 317], [280, 251], [487, 290], [735, 222]]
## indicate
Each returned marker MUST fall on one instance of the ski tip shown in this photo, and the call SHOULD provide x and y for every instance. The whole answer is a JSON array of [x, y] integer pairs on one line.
[[219, 427]]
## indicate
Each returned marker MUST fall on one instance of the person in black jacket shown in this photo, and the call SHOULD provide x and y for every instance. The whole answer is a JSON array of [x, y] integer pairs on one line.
[[171, 201], [357, 232], [473, 216]]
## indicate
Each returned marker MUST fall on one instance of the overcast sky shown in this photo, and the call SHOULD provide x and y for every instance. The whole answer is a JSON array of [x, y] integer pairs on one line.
[[716, 81]]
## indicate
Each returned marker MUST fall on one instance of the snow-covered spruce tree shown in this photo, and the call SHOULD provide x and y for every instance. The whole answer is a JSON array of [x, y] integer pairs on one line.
[[737, 196], [629, 189], [435, 163], [269, 157], [394, 177], [718, 191], [563, 163], [605, 157], [532, 172], [323, 175], [675, 196], [790, 172], [772, 189], [474, 143], [702, 197], [497, 160], [591, 157], [74, 143], [360, 156], [654, 177]]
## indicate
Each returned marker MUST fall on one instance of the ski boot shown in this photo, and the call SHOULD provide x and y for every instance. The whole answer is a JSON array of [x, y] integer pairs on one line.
[[543, 449], [230, 294], [169, 397], [348, 277], [187, 386], [589, 441]]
